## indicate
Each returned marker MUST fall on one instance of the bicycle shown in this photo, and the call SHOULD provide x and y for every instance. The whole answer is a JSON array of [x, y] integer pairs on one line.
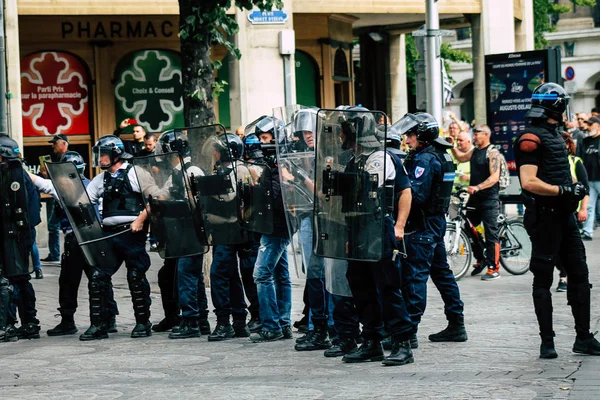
[[462, 235]]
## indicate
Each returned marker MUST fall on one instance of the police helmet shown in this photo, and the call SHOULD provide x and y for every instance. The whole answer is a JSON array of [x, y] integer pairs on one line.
[[174, 140], [9, 149], [548, 100], [305, 120], [265, 125], [421, 124], [252, 147], [231, 147], [359, 126], [111, 145], [75, 158]]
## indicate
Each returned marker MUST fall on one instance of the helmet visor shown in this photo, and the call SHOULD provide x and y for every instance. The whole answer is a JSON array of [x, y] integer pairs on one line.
[[405, 125], [305, 121]]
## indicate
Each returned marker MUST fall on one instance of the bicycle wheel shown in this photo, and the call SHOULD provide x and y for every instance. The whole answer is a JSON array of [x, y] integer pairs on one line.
[[459, 251], [515, 248]]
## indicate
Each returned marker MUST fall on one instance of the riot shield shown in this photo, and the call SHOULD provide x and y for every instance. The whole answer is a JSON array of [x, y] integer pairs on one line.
[[296, 160], [351, 166], [15, 233], [82, 214], [256, 192], [214, 186], [336, 282], [173, 217]]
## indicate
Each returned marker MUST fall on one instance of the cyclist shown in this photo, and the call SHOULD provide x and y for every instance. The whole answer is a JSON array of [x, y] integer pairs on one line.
[[485, 200]]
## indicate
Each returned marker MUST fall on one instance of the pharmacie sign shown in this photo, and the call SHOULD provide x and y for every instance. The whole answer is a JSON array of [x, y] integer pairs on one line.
[[148, 89]]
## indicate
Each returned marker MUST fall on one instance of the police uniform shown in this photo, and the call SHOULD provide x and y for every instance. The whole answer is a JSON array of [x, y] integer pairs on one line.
[[121, 204], [431, 173]]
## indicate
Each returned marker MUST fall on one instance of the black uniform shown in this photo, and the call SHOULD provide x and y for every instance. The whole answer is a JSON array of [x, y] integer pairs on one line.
[[553, 229]]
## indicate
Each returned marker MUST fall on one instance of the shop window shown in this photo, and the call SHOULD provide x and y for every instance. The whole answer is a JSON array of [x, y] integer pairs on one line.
[[148, 89]]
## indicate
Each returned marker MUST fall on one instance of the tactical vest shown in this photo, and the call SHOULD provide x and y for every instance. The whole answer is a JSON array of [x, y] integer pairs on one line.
[[554, 168], [441, 186], [358, 188], [119, 198], [177, 190]]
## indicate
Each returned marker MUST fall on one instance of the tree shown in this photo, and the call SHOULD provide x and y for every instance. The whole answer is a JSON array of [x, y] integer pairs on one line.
[[203, 23], [543, 11]]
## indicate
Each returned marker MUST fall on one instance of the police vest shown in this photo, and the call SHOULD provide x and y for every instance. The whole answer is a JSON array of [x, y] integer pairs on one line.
[[554, 167], [119, 198], [357, 193], [177, 190], [441, 186]]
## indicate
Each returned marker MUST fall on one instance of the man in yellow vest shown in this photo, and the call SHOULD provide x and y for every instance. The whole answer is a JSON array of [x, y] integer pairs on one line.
[[463, 169]]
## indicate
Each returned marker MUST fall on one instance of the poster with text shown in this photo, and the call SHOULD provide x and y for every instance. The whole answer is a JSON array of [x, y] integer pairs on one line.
[[148, 89], [54, 95]]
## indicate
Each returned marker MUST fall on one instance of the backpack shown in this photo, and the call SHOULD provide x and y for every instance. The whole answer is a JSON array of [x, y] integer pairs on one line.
[[504, 180]]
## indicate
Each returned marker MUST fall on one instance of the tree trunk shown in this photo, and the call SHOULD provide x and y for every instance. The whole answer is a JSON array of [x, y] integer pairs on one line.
[[197, 73]]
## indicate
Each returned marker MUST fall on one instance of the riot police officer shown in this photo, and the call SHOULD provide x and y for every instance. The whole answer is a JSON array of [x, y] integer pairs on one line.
[[431, 173], [122, 209], [73, 262], [551, 198], [20, 214]]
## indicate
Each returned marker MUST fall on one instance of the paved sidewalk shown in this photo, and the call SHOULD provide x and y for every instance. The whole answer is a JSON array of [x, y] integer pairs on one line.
[[500, 360]]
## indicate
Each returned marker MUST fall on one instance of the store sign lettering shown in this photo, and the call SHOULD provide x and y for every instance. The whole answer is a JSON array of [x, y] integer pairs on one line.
[[116, 30]]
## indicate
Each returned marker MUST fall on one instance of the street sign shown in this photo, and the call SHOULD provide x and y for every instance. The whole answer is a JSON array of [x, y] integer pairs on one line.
[[257, 17], [569, 73]]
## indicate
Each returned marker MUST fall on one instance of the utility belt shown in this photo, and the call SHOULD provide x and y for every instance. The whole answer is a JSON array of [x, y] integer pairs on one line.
[[116, 228], [550, 210]]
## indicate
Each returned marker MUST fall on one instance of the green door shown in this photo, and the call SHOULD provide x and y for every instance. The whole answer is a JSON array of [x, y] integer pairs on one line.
[[307, 80]]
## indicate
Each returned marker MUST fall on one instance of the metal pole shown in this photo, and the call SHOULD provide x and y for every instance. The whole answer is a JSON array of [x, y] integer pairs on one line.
[[434, 72], [3, 105], [287, 79]]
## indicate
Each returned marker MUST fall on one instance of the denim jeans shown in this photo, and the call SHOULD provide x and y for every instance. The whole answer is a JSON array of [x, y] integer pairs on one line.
[[189, 276], [53, 231], [588, 226], [35, 253], [272, 277]]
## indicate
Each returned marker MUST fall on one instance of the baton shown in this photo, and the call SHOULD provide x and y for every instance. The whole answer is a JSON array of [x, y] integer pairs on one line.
[[105, 237]]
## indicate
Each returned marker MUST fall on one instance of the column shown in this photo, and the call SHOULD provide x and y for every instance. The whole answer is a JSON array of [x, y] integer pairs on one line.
[[479, 100], [498, 22], [397, 95], [524, 28], [13, 69]]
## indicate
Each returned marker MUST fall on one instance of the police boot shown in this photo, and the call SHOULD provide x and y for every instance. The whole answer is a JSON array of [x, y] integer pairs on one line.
[[306, 337], [318, 341], [369, 350], [341, 348], [587, 344], [98, 301], [222, 332], [65, 327], [401, 353], [187, 329], [255, 325], [240, 328], [140, 297], [204, 326], [5, 291], [111, 324], [167, 323], [547, 347], [8, 334], [454, 332], [30, 330]]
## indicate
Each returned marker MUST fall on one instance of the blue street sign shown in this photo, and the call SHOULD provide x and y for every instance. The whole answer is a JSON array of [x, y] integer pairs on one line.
[[569, 73], [267, 17]]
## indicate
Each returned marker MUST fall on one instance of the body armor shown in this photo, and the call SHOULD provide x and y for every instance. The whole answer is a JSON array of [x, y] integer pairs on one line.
[[119, 197]]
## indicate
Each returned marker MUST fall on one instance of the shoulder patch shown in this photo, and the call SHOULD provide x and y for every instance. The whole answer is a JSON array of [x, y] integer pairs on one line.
[[529, 142], [419, 172]]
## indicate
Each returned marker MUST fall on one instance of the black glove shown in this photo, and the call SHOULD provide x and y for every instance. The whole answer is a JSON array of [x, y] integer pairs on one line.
[[575, 191], [299, 175]]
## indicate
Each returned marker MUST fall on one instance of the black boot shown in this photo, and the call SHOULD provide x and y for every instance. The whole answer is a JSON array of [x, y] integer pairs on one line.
[[306, 337], [30, 330], [94, 333], [388, 342], [369, 350], [240, 328], [318, 341], [302, 325], [98, 301], [8, 334], [254, 325], [187, 329], [341, 348], [167, 323], [401, 353], [547, 347], [66, 327], [142, 329], [204, 326], [587, 345], [222, 332], [111, 324], [454, 332]]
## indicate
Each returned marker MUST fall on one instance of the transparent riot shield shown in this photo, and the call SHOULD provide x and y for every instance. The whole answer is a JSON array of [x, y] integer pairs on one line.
[[351, 166], [164, 181], [256, 192], [296, 161], [335, 277], [214, 185], [82, 214], [15, 232]]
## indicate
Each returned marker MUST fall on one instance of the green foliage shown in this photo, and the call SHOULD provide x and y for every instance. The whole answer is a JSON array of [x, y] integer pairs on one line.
[[542, 12], [209, 22]]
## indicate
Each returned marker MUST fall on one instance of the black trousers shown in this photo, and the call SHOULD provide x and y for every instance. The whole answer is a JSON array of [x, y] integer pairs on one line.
[[487, 211], [72, 267], [555, 237], [168, 288]]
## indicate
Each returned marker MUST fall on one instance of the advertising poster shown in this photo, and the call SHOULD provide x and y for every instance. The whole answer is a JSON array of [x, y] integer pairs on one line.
[[511, 79], [54, 95], [148, 89]]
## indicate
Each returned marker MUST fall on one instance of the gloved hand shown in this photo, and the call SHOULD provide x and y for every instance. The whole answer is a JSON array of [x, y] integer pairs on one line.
[[576, 191], [299, 174]]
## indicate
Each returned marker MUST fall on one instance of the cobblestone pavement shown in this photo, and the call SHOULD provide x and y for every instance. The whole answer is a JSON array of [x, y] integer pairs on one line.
[[500, 360]]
